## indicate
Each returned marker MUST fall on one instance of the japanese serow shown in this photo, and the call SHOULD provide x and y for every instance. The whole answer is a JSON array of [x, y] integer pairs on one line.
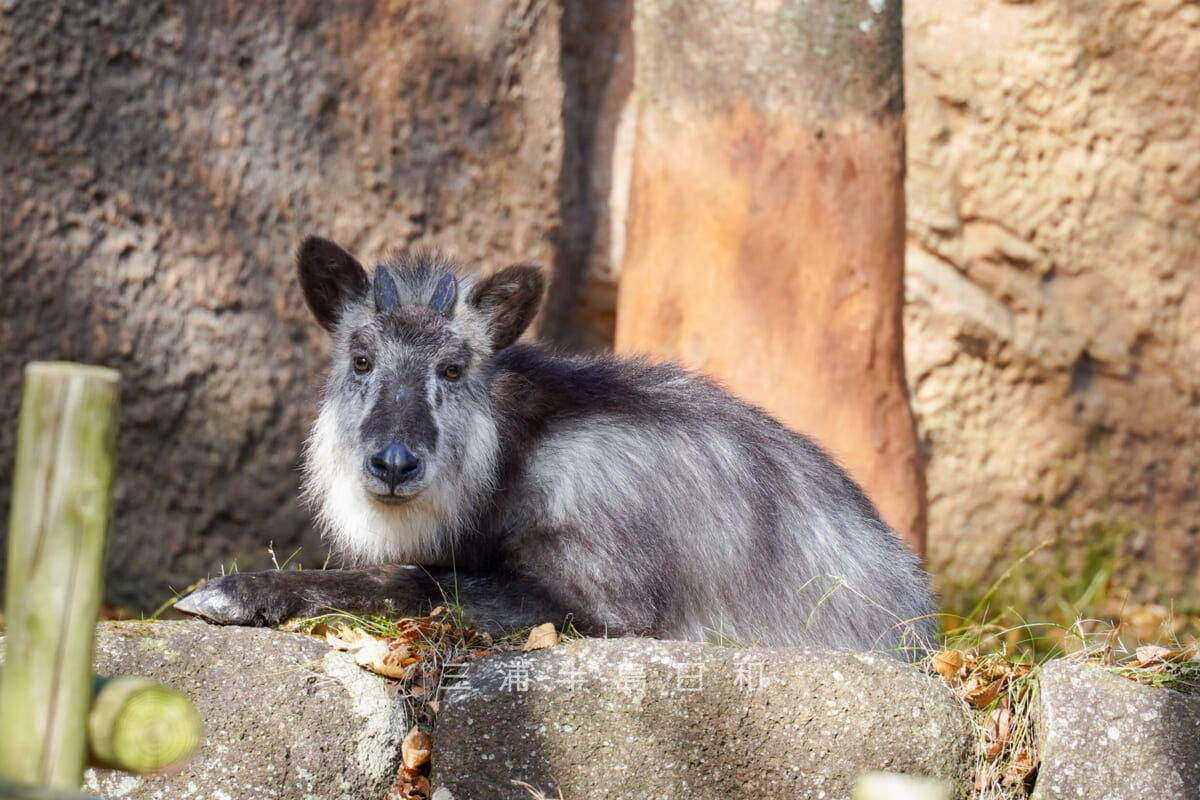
[[450, 463]]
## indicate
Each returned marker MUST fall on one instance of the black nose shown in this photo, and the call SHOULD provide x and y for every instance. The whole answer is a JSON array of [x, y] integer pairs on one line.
[[395, 465]]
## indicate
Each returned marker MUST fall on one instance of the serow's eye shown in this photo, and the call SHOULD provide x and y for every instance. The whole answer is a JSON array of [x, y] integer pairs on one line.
[[451, 372], [362, 365]]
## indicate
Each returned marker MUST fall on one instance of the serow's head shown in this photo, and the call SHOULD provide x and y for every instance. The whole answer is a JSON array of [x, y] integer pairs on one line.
[[405, 442]]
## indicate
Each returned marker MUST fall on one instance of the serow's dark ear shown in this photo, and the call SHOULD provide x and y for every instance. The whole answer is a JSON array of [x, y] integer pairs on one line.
[[508, 301], [330, 278]]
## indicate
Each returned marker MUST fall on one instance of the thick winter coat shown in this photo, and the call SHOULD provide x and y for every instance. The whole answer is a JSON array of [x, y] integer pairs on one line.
[[450, 463]]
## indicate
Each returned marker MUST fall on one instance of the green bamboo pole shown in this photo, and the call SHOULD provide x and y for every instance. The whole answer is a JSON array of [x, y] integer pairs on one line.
[[66, 441]]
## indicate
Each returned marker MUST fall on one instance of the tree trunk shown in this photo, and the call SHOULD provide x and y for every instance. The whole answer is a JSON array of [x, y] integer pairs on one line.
[[766, 223]]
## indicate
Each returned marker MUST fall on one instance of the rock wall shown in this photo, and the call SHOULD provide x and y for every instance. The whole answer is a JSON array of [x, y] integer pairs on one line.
[[159, 163], [1053, 316], [284, 716], [648, 719]]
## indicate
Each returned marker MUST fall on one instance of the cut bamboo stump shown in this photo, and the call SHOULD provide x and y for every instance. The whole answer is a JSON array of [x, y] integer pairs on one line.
[[65, 446], [137, 725]]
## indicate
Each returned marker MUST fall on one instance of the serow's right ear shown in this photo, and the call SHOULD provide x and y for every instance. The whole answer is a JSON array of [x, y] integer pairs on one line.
[[330, 278]]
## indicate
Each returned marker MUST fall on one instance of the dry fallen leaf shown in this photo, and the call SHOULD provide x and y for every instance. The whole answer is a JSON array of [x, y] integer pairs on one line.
[[1021, 770], [1150, 654], [416, 748], [992, 750], [410, 786], [348, 638], [420, 787], [999, 727], [541, 637], [947, 663], [428, 629], [980, 695], [379, 657], [414, 753]]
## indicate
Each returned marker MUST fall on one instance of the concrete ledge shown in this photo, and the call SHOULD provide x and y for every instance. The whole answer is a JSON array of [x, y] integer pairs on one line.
[[285, 716], [652, 719], [1104, 736]]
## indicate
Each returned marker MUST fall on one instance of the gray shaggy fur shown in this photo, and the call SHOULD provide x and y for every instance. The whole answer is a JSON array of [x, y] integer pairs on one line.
[[626, 496]]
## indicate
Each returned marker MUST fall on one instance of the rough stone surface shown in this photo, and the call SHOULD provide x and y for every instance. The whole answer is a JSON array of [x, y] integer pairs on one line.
[[651, 719], [1105, 737], [159, 164], [1052, 329], [765, 236], [284, 715]]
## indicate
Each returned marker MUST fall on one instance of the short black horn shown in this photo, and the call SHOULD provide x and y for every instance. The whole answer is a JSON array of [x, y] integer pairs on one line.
[[386, 294], [444, 295]]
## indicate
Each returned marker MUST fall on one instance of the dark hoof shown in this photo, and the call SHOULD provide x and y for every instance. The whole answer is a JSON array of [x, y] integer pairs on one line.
[[215, 601]]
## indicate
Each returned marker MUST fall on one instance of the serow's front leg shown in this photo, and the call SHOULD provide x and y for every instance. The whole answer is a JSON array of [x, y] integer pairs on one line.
[[494, 603]]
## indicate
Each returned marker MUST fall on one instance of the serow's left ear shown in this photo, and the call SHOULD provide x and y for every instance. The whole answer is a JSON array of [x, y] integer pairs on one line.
[[508, 301]]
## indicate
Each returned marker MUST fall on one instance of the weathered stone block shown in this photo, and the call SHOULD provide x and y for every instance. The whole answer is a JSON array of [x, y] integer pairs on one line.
[[653, 719], [1105, 736], [284, 715]]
